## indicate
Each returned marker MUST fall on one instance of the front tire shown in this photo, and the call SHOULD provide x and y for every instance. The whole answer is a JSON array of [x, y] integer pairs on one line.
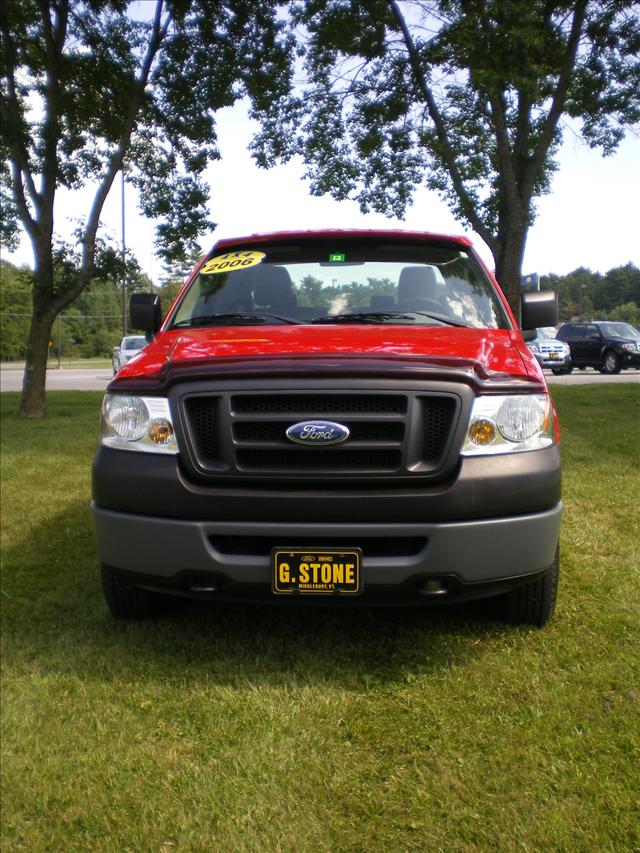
[[129, 602], [534, 603], [610, 363]]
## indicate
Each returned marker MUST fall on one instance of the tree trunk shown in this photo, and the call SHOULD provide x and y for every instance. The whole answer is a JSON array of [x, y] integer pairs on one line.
[[508, 260], [32, 404]]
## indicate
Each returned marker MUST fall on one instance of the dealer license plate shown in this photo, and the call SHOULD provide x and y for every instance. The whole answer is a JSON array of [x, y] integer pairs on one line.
[[316, 572]]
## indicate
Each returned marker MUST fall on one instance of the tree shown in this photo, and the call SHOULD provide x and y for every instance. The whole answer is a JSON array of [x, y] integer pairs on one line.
[[466, 96], [86, 89]]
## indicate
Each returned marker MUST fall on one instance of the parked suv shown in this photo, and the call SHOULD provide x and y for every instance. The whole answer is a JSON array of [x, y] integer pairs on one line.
[[605, 345], [332, 416], [548, 351]]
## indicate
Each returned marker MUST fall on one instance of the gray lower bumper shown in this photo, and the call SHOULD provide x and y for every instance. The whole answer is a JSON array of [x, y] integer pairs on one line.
[[474, 551]]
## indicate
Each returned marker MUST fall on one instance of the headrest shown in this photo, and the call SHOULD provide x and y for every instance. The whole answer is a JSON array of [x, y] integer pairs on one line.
[[273, 288], [417, 283], [382, 300]]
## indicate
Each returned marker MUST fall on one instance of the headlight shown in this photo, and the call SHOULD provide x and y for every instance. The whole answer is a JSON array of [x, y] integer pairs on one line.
[[509, 423], [137, 423], [534, 346], [631, 347]]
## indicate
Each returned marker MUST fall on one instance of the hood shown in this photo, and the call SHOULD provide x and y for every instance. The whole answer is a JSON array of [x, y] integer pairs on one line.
[[484, 352]]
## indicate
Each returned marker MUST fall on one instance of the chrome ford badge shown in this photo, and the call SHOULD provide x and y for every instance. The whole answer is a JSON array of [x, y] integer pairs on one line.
[[318, 432]]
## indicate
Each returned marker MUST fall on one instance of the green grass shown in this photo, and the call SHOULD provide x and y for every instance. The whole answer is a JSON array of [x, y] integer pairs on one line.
[[258, 729]]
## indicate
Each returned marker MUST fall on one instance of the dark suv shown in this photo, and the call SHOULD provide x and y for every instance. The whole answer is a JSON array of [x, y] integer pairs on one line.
[[603, 344]]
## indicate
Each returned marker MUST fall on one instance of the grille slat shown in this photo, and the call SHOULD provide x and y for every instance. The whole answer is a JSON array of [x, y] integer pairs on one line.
[[316, 459], [320, 405], [256, 432]]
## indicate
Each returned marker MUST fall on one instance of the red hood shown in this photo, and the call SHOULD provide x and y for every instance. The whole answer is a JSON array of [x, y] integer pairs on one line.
[[481, 351]]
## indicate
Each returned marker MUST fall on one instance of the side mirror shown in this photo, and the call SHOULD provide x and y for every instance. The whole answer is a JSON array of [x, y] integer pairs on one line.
[[538, 308], [145, 313]]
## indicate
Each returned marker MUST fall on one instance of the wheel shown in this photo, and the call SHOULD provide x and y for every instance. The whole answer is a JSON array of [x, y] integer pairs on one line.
[[610, 363], [562, 371], [129, 602], [534, 603]]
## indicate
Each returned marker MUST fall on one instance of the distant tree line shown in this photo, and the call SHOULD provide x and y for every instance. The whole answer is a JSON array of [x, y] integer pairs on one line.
[[614, 295]]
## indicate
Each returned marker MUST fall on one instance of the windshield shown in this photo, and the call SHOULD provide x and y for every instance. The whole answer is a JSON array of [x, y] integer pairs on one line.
[[546, 332], [134, 343], [619, 330], [341, 282]]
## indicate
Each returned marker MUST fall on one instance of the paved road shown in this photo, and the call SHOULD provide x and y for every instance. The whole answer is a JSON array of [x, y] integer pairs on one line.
[[69, 379], [66, 379]]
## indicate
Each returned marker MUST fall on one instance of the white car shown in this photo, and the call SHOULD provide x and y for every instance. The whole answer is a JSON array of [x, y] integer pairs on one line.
[[129, 346], [549, 351]]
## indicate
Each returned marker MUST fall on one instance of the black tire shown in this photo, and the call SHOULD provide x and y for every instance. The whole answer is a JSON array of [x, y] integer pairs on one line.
[[129, 602], [610, 363], [561, 371], [534, 603]]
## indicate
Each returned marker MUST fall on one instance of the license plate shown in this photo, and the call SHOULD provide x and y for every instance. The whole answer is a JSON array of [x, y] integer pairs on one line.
[[328, 572], [554, 356]]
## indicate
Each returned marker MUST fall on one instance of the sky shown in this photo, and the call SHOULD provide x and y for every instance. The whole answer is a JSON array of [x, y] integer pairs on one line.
[[591, 218]]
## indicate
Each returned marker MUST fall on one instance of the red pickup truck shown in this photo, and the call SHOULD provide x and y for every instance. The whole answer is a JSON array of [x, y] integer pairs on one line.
[[332, 416]]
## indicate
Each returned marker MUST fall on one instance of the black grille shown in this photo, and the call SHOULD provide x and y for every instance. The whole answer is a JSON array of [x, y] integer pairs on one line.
[[438, 414], [202, 413], [319, 404], [239, 433], [275, 431], [316, 459]]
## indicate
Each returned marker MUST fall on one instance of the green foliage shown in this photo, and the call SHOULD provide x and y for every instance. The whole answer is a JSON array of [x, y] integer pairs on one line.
[[90, 327], [463, 96], [15, 310], [86, 62], [613, 296]]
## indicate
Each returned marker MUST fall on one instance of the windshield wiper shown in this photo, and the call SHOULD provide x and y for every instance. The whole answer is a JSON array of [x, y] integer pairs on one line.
[[230, 319], [443, 319], [363, 317], [383, 317]]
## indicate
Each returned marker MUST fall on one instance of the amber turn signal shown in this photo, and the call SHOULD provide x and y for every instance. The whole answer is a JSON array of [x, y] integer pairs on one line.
[[160, 431], [482, 432]]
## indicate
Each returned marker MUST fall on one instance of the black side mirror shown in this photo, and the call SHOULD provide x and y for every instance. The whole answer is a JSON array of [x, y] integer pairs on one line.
[[538, 308], [145, 313]]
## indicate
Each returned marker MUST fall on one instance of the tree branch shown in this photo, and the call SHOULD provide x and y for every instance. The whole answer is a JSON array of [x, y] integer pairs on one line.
[[54, 36], [20, 167], [448, 156], [115, 163], [557, 105], [506, 174]]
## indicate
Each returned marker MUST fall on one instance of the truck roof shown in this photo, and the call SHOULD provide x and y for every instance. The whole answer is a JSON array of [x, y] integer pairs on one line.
[[386, 234]]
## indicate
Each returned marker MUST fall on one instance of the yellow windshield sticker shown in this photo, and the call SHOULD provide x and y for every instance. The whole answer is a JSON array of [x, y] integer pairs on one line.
[[232, 261]]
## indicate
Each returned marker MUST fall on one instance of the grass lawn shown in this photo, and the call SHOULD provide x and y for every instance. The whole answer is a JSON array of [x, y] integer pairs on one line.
[[258, 729]]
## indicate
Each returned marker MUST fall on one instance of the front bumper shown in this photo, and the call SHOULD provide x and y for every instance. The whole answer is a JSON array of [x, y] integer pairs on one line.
[[548, 362], [473, 558], [630, 359]]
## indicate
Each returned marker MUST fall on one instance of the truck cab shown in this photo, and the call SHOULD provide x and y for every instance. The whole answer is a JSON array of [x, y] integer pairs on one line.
[[333, 417]]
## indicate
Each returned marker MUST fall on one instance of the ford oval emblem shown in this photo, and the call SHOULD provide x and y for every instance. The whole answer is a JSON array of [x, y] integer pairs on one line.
[[318, 432]]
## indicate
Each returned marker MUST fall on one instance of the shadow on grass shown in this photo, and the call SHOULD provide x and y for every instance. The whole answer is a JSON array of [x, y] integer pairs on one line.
[[55, 620]]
